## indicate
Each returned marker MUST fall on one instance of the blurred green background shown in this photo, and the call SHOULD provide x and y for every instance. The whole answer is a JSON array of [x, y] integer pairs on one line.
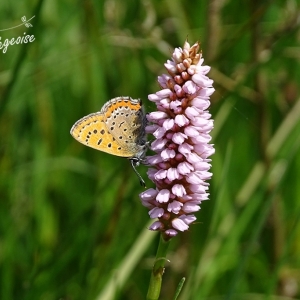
[[71, 222]]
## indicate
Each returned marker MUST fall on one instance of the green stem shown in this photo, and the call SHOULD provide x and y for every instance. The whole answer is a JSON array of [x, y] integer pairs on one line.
[[158, 270]]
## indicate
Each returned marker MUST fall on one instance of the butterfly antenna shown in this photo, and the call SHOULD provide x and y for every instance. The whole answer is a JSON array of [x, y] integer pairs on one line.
[[133, 164]]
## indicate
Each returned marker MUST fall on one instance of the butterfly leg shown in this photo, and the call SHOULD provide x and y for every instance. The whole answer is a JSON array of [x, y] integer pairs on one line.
[[135, 162]]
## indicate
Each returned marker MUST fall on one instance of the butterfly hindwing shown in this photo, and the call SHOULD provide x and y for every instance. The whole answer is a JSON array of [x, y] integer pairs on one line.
[[92, 131]]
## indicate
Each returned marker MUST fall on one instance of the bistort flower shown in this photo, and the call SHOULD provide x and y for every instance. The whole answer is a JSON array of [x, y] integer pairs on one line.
[[181, 127]]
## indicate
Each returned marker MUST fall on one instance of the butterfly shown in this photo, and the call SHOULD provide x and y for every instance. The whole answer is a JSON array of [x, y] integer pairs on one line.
[[118, 129]]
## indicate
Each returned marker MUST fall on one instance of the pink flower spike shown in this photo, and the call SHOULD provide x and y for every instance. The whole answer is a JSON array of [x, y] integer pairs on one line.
[[163, 196], [168, 124], [153, 160], [166, 154], [158, 144], [153, 97], [151, 128], [185, 148], [156, 212], [151, 172], [178, 190], [202, 81], [160, 174], [157, 115], [191, 131], [206, 93], [200, 103], [191, 112], [171, 67], [159, 132], [165, 103], [201, 138], [202, 166], [147, 204], [184, 168], [164, 93], [188, 219], [175, 207], [181, 128], [172, 174], [190, 87], [177, 55], [178, 137], [205, 69], [200, 197], [181, 120], [205, 175], [190, 207], [175, 104], [200, 64], [150, 194], [171, 232], [198, 121], [179, 225], [198, 188], [163, 80], [194, 178], [156, 226], [193, 158]]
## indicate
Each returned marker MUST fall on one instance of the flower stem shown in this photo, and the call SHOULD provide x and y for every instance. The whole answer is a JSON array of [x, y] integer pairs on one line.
[[158, 270]]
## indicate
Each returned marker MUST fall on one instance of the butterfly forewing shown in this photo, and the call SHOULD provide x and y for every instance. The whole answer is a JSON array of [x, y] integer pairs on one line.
[[118, 129], [92, 132]]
